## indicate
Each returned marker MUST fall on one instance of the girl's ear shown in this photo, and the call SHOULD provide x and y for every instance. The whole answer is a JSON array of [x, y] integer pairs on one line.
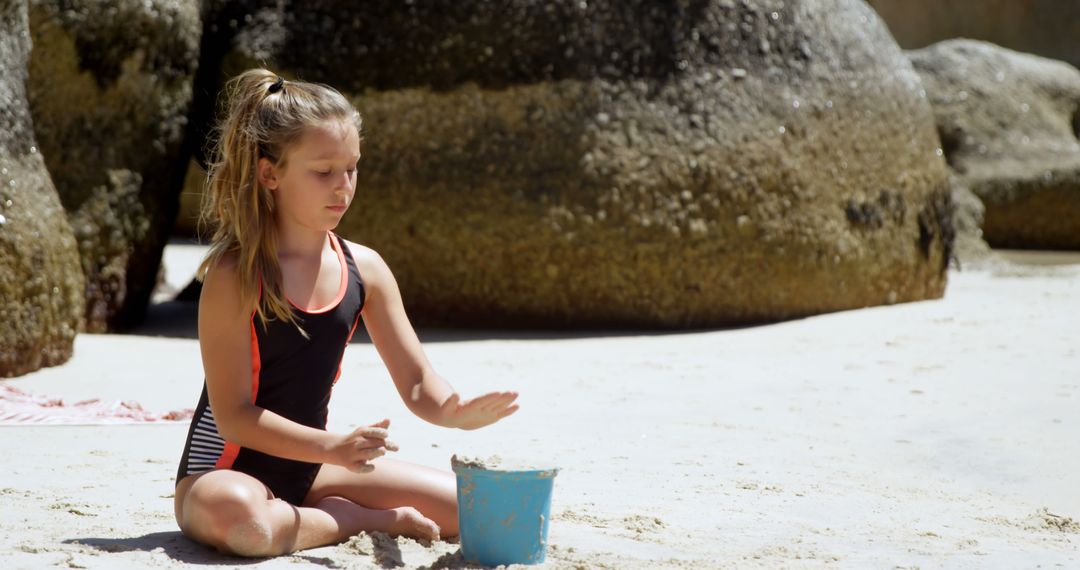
[[267, 177]]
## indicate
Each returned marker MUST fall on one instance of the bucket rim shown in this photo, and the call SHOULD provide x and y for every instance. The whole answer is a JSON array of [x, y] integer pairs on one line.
[[539, 472]]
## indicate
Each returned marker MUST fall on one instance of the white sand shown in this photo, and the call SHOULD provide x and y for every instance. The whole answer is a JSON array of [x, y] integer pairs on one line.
[[941, 433]]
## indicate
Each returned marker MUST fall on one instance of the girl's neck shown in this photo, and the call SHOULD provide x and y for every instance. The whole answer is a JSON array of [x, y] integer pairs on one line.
[[301, 243]]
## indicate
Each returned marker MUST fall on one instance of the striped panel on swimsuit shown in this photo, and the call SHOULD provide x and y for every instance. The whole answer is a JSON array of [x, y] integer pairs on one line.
[[207, 445]]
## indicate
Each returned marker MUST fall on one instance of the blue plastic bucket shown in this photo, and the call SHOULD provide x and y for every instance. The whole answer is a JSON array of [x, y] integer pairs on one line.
[[503, 515]]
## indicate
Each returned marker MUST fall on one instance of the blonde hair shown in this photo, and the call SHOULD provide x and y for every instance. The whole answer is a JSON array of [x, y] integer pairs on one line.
[[263, 116]]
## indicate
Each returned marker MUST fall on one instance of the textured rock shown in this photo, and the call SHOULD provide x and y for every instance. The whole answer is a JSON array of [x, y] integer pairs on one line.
[[1045, 27], [1008, 122], [109, 88], [630, 163], [41, 283], [970, 246]]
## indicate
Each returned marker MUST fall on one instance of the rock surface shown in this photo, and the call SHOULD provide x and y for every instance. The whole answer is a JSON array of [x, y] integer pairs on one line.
[[109, 89], [41, 282], [1008, 122]]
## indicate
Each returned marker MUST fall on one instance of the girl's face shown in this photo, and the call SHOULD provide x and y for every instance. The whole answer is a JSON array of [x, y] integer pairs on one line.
[[319, 180]]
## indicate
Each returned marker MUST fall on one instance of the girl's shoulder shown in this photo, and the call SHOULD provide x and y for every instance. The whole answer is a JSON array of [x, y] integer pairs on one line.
[[358, 251], [373, 269], [221, 286], [222, 268]]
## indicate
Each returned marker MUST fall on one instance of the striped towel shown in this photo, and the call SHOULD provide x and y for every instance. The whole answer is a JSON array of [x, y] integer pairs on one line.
[[21, 408]]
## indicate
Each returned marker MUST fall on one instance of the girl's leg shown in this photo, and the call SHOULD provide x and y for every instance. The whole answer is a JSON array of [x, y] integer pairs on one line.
[[394, 484], [237, 514]]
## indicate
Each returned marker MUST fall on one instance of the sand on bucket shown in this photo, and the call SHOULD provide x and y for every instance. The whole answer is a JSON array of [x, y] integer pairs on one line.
[[500, 463]]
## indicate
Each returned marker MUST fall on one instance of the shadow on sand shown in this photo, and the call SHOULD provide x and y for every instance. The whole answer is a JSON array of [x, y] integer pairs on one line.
[[182, 549], [174, 544]]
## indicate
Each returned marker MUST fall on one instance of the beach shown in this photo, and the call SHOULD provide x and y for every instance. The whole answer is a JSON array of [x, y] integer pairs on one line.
[[932, 434]]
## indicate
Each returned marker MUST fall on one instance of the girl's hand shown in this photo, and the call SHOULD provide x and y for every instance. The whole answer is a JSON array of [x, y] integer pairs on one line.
[[477, 412], [353, 451]]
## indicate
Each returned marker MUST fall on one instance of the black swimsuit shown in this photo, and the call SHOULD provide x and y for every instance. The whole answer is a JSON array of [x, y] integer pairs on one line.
[[290, 376]]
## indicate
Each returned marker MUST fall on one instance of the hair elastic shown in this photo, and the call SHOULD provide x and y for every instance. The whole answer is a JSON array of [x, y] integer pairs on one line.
[[277, 85]]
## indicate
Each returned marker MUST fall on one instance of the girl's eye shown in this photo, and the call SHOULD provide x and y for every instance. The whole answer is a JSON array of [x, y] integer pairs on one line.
[[351, 171], [321, 173]]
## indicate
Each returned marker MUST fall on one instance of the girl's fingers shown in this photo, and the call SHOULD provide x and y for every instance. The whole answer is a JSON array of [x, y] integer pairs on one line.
[[491, 399], [504, 397], [508, 411], [362, 456], [499, 402], [486, 400], [365, 443], [372, 432], [361, 467], [374, 453]]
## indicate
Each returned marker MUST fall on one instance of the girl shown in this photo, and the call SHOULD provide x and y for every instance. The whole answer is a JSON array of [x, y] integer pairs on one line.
[[282, 295]]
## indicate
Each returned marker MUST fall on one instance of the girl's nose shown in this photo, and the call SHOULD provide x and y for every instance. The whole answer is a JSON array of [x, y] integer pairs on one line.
[[346, 180], [344, 188]]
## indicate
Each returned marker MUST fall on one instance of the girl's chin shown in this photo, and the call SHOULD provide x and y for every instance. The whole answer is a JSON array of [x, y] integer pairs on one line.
[[322, 225]]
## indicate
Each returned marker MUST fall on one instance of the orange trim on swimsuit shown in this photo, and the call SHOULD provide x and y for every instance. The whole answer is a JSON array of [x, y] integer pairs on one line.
[[228, 456], [347, 341]]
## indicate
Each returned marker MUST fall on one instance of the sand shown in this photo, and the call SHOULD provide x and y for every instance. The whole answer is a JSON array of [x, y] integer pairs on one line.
[[540, 466], [940, 433]]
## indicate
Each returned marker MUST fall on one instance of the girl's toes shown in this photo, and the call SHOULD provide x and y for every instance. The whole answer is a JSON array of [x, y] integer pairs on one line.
[[429, 530], [412, 523]]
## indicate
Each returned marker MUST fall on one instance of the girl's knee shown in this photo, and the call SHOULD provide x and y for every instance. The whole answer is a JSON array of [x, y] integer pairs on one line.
[[232, 517], [242, 529], [249, 537]]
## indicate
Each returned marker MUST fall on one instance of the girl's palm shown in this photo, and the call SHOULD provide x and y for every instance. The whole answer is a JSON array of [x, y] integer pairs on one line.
[[477, 412]]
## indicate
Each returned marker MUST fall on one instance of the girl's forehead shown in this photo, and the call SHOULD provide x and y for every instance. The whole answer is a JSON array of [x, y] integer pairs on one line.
[[328, 141]]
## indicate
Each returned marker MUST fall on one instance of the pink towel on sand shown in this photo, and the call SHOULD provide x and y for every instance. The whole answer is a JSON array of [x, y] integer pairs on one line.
[[20, 408]]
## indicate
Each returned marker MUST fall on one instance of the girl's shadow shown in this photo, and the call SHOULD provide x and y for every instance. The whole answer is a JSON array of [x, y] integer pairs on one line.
[[181, 548], [178, 547]]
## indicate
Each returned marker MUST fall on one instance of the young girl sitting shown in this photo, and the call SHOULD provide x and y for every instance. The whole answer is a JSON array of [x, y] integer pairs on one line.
[[282, 295]]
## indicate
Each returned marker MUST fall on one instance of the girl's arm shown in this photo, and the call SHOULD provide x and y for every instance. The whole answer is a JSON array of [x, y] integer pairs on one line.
[[225, 329], [425, 393]]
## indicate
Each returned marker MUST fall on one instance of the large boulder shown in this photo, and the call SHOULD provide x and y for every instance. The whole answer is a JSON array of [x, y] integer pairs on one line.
[[1008, 123], [110, 88], [41, 282], [629, 163], [1045, 27]]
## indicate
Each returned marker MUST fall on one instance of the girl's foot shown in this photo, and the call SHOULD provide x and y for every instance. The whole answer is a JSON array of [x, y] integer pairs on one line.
[[401, 521], [409, 522]]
